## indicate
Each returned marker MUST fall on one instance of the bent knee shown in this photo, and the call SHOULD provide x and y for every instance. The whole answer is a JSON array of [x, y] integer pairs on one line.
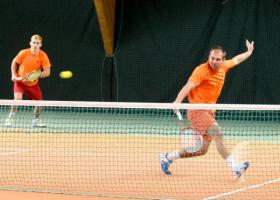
[[202, 151], [215, 131]]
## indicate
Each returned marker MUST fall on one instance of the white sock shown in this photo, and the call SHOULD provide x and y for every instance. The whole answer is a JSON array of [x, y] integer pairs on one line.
[[173, 155], [231, 162], [11, 114]]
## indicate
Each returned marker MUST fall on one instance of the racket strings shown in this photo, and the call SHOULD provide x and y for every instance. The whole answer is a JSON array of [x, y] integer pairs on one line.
[[34, 75]]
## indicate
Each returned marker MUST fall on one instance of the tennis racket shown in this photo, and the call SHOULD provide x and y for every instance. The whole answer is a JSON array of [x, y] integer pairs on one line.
[[190, 140], [33, 76]]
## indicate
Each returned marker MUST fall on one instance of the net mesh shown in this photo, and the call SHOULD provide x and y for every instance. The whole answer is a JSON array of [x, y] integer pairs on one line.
[[112, 149]]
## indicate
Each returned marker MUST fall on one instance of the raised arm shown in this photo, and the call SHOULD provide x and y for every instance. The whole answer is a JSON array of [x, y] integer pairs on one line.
[[185, 91], [243, 56]]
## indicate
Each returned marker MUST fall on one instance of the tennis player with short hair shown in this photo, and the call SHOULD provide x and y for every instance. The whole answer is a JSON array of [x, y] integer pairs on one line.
[[205, 86], [26, 61]]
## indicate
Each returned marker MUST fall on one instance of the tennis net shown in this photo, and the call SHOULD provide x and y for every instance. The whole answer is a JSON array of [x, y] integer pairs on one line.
[[112, 149]]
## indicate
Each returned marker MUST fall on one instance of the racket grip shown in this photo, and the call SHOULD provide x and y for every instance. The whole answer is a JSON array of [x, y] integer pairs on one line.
[[179, 115]]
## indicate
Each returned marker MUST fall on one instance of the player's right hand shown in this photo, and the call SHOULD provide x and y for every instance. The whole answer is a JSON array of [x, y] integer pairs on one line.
[[16, 78], [176, 110]]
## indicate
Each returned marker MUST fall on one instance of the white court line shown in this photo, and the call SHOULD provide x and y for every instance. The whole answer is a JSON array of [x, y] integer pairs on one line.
[[12, 151], [243, 189]]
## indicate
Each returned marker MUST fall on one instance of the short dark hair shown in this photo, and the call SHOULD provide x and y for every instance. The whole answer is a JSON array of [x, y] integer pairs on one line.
[[218, 47]]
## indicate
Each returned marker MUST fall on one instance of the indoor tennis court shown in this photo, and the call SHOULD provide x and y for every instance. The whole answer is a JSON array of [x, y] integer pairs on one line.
[[126, 164], [112, 78]]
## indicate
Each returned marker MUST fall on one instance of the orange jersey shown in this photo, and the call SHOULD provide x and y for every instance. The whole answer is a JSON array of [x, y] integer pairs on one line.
[[29, 62], [209, 82]]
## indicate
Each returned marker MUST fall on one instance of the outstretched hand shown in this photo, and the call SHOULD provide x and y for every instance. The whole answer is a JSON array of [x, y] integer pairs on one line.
[[250, 46]]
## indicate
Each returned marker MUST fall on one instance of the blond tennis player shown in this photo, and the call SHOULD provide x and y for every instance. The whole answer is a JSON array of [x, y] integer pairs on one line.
[[205, 86], [27, 61]]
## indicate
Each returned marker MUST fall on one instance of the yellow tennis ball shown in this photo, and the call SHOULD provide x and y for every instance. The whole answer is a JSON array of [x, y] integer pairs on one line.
[[65, 74]]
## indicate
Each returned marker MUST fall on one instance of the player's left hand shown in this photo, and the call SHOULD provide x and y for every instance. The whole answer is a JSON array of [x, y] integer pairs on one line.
[[250, 46], [24, 78]]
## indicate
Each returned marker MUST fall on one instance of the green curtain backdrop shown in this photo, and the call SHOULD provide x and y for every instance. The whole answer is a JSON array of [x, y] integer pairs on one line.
[[158, 44], [161, 42], [72, 40]]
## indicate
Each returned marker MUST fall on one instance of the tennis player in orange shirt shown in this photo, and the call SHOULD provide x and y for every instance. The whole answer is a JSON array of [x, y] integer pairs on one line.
[[205, 86], [25, 62]]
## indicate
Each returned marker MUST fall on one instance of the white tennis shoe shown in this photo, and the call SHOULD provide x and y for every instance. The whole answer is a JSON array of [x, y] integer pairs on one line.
[[9, 122], [240, 170], [37, 123]]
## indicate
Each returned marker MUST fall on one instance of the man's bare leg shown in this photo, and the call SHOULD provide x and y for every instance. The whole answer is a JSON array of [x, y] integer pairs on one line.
[[36, 122], [167, 158], [9, 119], [218, 137]]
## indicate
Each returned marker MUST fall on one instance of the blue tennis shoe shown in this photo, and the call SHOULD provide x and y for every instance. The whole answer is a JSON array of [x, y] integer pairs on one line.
[[165, 163]]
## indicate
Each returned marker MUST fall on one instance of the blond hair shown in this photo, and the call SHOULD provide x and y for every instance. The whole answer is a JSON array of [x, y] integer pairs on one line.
[[37, 37]]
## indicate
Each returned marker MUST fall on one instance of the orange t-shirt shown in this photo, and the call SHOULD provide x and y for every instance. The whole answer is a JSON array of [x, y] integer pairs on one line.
[[29, 62], [209, 82]]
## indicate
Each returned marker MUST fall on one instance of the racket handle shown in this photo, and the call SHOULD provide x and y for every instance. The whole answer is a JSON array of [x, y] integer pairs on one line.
[[179, 116]]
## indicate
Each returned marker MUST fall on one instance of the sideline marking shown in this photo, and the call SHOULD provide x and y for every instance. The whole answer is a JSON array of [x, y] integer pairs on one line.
[[12, 151], [243, 189]]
